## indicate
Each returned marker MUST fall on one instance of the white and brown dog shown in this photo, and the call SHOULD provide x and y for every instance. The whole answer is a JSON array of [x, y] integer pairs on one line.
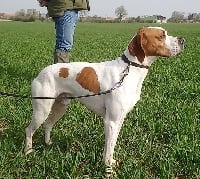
[[82, 78]]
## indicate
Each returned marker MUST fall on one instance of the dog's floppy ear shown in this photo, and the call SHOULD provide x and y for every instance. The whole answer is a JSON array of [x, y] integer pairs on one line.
[[135, 46]]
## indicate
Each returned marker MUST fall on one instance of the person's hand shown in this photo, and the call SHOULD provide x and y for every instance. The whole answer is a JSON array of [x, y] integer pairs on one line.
[[43, 3]]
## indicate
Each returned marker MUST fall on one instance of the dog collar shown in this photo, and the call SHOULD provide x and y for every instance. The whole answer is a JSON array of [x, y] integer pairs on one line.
[[126, 60]]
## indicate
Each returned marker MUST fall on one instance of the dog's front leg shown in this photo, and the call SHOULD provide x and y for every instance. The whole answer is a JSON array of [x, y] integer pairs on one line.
[[112, 128]]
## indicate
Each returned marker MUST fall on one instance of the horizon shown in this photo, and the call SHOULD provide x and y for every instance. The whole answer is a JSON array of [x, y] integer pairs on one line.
[[155, 7]]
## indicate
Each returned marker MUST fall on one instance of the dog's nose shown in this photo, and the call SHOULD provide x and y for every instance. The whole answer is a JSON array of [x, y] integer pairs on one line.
[[181, 41]]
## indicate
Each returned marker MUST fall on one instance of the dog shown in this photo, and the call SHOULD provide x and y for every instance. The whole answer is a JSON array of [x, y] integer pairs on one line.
[[124, 75]]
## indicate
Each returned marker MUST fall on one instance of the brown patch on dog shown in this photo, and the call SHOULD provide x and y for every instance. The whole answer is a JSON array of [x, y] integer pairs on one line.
[[88, 79], [153, 42], [135, 48], [63, 72]]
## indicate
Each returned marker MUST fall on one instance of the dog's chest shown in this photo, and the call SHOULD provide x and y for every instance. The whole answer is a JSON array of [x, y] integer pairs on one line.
[[131, 88], [95, 104]]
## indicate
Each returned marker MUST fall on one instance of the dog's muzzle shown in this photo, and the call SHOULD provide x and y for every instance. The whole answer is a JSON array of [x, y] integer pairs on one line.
[[181, 42]]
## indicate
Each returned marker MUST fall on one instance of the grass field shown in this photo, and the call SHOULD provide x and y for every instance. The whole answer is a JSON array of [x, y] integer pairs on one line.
[[160, 138]]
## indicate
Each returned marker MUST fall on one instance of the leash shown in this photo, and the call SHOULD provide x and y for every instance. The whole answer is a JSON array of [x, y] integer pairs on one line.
[[117, 85]]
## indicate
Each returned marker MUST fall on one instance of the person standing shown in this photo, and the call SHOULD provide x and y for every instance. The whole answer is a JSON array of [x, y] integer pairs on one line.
[[65, 15]]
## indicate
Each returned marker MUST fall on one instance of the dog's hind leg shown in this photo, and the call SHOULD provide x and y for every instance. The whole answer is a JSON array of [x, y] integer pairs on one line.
[[57, 111], [41, 110]]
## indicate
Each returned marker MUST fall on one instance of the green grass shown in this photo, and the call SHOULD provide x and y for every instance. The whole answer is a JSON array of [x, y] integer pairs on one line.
[[160, 138]]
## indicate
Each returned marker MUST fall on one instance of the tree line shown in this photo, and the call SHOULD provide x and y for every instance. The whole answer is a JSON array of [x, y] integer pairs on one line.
[[31, 15], [180, 17]]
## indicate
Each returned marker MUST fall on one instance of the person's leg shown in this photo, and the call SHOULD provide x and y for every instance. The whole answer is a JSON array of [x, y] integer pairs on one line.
[[65, 26]]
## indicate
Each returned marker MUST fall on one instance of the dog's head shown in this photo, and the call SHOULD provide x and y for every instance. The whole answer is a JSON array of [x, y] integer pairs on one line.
[[154, 41]]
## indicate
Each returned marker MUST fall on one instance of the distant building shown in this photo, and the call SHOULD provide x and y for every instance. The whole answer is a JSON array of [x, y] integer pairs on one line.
[[2, 15], [154, 19], [110, 19], [161, 19]]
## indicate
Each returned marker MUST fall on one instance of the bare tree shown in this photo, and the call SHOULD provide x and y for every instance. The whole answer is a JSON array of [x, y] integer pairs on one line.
[[177, 16], [195, 17], [21, 12], [121, 12]]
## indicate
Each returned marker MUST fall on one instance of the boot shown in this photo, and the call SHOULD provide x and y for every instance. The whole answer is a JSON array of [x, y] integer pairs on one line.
[[61, 56]]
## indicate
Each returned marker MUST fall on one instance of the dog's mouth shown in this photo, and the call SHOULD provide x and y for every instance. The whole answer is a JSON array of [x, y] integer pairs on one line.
[[181, 42], [178, 46]]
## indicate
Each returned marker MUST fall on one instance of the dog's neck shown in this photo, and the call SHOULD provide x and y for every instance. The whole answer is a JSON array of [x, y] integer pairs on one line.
[[147, 60]]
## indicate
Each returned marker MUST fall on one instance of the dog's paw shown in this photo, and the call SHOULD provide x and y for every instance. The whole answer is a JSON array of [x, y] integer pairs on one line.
[[49, 143], [28, 151], [108, 171]]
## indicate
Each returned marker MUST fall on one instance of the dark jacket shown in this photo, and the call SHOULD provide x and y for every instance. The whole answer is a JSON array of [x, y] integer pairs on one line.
[[57, 7]]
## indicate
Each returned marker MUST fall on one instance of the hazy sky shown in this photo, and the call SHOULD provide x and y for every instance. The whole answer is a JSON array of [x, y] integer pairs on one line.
[[107, 7]]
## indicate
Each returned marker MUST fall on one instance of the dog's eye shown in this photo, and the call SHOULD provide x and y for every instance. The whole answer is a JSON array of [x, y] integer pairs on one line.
[[161, 37]]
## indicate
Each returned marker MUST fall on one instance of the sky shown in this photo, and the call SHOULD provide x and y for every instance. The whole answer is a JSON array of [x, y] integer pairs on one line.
[[106, 8]]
